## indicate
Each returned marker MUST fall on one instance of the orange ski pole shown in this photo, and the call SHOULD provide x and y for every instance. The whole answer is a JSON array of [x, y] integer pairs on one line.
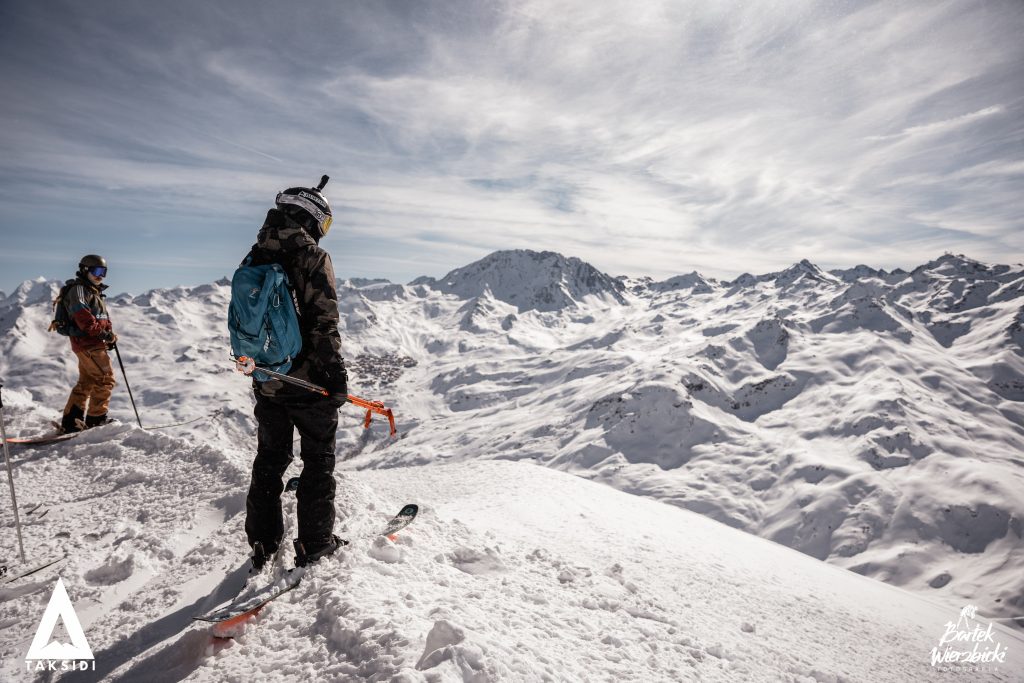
[[374, 407], [247, 366]]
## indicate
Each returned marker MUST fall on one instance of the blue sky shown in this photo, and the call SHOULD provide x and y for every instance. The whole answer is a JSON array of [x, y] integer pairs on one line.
[[649, 138]]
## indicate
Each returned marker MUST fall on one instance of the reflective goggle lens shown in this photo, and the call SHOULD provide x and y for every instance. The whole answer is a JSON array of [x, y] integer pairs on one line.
[[98, 271], [325, 227]]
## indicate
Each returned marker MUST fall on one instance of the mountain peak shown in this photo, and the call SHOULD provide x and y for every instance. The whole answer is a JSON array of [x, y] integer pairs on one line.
[[532, 280], [33, 291], [957, 259], [856, 273], [804, 266], [955, 265], [693, 281], [802, 271]]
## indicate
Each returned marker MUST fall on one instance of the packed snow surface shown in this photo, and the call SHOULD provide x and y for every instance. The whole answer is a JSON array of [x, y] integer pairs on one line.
[[510, 572], [869, 419]]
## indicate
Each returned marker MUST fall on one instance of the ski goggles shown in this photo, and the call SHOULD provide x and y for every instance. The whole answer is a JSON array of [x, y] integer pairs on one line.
[[97, 271], [323, 219]]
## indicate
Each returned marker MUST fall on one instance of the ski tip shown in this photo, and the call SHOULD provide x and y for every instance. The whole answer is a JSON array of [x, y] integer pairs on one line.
[[409, 510]]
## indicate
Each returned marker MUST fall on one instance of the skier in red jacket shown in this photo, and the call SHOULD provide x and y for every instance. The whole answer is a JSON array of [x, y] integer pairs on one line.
[[91, 338]]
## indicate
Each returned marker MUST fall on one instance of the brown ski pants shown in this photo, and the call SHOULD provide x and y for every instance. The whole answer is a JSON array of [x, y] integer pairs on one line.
[[95, 383]]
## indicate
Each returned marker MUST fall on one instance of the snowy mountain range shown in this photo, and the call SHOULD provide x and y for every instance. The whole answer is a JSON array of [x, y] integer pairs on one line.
[[870, 419]]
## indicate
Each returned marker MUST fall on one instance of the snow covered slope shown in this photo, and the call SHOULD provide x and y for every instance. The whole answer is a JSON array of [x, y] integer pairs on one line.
[[511, 572], [869, 419], [866, 418]]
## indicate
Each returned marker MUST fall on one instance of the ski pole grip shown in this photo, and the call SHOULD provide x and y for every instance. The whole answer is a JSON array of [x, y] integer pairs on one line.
[[245, 365]]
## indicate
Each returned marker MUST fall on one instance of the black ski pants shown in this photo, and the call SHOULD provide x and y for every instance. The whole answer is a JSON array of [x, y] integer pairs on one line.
[[317, 423]]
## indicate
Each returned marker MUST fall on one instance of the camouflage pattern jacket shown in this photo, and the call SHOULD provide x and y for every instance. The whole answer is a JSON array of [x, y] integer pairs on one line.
[[311, 275], [87, 308]]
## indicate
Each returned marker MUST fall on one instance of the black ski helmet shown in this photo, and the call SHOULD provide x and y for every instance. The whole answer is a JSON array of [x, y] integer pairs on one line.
[[90, 261], [308, 207]]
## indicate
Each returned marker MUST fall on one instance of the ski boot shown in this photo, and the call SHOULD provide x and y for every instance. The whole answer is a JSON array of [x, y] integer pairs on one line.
[[261, 556], [96, 420], [304, 556], [72, 421]]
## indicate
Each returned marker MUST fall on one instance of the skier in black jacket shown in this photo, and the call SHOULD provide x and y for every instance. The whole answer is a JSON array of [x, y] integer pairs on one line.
[[290, 236]]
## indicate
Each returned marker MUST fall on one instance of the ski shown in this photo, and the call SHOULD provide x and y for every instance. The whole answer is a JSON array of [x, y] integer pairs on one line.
[[248, 605], [9, 574], [55, 436], [41, 439], [401, 520]]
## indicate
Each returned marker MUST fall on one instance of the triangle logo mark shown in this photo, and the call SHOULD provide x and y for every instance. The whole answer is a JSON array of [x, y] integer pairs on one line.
[[60, 607]]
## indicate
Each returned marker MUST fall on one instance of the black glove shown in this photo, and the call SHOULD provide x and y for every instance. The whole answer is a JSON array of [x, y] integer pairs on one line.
[[336, 382], [110, 339]]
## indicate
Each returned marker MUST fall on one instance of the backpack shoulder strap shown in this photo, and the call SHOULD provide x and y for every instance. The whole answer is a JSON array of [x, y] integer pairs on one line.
[[62, 295]]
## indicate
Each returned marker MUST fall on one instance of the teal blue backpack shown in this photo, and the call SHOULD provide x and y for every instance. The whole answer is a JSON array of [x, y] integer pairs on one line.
[[262, 318]]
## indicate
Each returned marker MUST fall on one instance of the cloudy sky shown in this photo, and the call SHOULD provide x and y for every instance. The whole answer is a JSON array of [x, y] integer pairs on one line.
[[645, 137]]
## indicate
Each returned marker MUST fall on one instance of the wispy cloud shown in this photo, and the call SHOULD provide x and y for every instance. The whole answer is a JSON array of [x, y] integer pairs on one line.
[[652, 137], [940, 126]]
